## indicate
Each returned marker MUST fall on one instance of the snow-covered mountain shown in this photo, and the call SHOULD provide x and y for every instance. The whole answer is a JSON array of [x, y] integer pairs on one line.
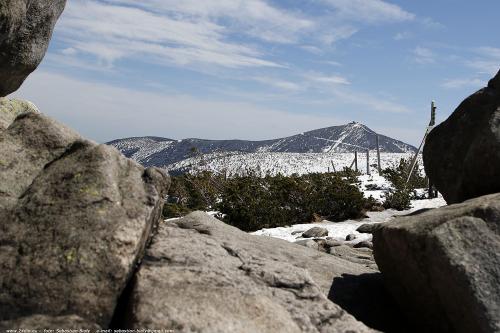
[[162, 152], [263, 163]]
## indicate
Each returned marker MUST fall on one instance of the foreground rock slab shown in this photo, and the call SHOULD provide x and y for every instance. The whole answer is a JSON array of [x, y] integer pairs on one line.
[[42, 322], [462, 155], [25, 31], [443, 266], [201, 275], [75, 218]]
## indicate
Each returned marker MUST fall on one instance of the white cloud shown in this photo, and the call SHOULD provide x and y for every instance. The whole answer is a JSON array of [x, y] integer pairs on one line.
[[221, 33], [332, 63], [103, 112], [112, 32], [430, 23], [278, 83], [336, 34], [69, 51], [339, 87], [254, 17], [327, 79], [488, 62], [424, 55], [403, 35], [491, 52], [370, 11], [312, 49], [370, 102], [462, 83]]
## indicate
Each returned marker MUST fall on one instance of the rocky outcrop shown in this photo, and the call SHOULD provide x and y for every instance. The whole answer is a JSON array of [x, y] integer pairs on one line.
[[362, 256], [359, 253], [462, 155], [368, 228], [76, 217], [11, 108], [25, 31], [443, 265], [202, 275], [42, 322], [315, 232], [351, 237]]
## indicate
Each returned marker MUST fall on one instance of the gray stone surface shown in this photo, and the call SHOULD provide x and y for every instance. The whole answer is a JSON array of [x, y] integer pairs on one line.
[[201, 275], [332, 242], [25, 31], [443, 265], [368, 228], [43, 322], [462, 154], [315, 232], [11, 108], [351, 237], [363, 244], [310, 243], [75, 220], [362, 256]]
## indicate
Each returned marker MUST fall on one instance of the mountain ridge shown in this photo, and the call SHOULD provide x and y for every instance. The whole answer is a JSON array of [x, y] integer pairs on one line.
[[161, 152]]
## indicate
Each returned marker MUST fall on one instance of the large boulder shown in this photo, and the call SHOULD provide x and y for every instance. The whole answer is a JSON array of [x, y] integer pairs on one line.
[[315, 232], [25, 30], [75, 219], [201, 275], [462, 155], [443, 265]]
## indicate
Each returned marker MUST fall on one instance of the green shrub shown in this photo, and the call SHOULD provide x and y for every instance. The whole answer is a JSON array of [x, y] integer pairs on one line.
[[350, 175], [399, 199], [171, 210], [399, 174], [195, 192], [333, 197], [250, 202]]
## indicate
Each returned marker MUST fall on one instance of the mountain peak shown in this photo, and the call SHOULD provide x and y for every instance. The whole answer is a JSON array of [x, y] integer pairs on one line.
[[351, 137]]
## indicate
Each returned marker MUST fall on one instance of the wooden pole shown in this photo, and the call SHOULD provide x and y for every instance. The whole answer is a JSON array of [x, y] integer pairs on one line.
[[368, 162], [379, 165], [333, 166], [432, 123], [356, 161], [432, 193]]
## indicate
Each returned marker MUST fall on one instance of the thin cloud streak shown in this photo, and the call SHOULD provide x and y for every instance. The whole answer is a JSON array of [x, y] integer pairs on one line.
[[424, 56], [111, 32], [488, 61], [462, 83], [370, 11]]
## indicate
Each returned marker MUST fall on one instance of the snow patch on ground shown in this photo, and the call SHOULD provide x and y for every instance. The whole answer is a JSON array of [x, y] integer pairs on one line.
[[339, 230]]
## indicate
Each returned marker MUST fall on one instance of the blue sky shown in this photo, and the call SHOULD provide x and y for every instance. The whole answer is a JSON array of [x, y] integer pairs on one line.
[[257, 69]]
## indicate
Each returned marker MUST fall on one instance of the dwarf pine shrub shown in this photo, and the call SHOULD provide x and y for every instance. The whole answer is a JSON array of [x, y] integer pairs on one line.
[[400, 197], [251, 202]]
